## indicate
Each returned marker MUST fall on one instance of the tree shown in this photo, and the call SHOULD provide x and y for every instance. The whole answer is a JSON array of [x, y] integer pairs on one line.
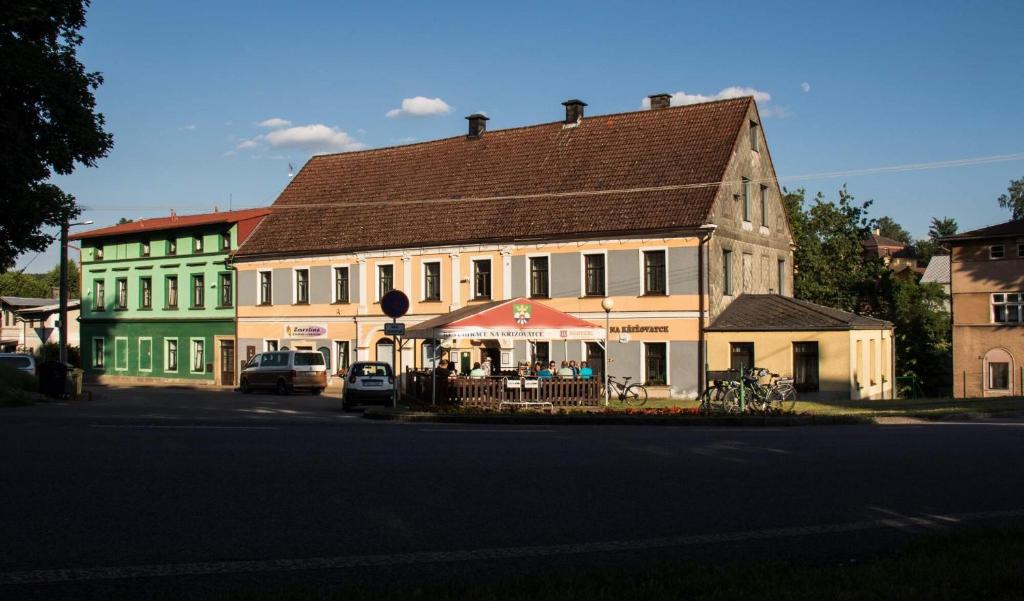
[[1014, 198], [831, 270], [829, 234], [124, 220], [48, 119], [888, 227], [52, 278], [930, 246], [23, 284]]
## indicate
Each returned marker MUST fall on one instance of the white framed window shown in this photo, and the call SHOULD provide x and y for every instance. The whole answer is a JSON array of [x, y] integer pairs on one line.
[[269, 345], [538, 275], [121, 353], [654, 271], [430, 273], [99, 350], [340, 289], [996, 251], [197, 355], [483, 278], [654, 361], [145, 353], [171, 355], [385, 279], [594, 272], [1008, 307], [265, 289], [300, 286]]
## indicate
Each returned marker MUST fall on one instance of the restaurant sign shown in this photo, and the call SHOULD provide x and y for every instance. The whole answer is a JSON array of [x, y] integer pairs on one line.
[[486, 333], [305, 330], [635, 329]]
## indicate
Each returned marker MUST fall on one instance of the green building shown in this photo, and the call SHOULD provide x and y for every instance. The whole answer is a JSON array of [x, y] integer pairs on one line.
[[158, 298]]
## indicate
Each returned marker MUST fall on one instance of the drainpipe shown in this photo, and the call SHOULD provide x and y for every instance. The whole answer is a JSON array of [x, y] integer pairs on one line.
[[705, 232]]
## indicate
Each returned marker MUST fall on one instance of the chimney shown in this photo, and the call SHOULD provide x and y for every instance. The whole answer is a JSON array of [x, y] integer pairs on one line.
[[477, 125], [660, 101], [573, 110]]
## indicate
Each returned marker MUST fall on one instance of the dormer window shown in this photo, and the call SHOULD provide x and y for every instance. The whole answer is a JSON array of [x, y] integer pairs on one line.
[[172, 246], [145, 248], [996, 251], [99, 253], [197, 244], [225, 240]]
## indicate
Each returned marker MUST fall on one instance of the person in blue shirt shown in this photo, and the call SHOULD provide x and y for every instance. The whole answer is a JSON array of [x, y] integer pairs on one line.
[[585, 372], [544, 373]]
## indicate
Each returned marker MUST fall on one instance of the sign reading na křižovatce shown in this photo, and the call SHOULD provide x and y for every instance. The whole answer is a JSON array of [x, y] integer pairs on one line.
[[305, 330], [634, 329]]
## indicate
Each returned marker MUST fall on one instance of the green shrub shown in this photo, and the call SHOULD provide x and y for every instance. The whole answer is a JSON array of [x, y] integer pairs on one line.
[[51, 351]]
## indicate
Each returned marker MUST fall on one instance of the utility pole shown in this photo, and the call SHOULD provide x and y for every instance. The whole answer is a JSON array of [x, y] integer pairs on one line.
[[62, 326]]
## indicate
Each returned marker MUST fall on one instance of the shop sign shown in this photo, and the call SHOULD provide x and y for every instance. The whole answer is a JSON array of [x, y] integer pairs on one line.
[[636, 329], [305, 330]]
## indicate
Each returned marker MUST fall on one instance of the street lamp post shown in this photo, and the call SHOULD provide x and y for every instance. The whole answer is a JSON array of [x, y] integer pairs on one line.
[[62, 326], [607, 304]]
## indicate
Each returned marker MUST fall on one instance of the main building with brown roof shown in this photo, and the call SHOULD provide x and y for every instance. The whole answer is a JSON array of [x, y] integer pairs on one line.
[[669, 212]]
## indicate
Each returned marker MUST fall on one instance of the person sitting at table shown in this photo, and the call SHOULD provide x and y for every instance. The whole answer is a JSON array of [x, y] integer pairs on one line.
[[544, 373], [574, 368], [477, 372], [565, 371], [537, 367], [585, 372]]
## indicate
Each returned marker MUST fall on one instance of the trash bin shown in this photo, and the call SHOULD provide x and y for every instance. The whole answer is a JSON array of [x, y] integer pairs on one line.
[[54, 380], [77, 378]]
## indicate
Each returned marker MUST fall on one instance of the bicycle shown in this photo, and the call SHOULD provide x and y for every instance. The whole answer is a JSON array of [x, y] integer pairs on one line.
[[631, 394], [777, 396], [715, 398]]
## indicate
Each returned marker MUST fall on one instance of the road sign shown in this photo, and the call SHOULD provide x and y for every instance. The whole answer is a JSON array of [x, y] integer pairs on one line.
[[394, 329], [394, 303], [44, 333]]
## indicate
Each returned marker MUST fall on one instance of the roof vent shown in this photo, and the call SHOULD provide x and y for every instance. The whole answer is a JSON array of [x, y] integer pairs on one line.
[[573, 110], [477, 125], [660, 101]]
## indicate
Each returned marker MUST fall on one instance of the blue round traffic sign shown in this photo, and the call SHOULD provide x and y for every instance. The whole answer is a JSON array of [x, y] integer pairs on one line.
[[394, 303]]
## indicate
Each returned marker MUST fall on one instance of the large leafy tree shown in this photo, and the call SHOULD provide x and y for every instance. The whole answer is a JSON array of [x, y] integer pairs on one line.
[[48, 119], [1014, 198]]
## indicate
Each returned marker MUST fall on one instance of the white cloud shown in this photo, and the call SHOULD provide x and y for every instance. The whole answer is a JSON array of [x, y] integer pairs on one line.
[[274, 123], [420, 106], [681, 98], [190, 127], [806, 87], [247, 144], [316, 138]]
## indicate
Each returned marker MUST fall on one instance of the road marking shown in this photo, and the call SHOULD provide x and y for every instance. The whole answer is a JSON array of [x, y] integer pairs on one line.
[[396, 559], [191, 427]]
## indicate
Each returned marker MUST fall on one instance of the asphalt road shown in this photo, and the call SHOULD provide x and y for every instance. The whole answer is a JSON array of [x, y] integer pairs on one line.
[[178, 488]]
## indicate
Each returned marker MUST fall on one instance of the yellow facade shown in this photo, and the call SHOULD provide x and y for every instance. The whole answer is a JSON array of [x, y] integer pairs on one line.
[[851, 364]]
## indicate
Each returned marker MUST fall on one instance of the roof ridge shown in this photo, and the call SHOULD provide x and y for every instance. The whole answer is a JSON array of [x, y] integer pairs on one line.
[[811, 306], [521, 127]]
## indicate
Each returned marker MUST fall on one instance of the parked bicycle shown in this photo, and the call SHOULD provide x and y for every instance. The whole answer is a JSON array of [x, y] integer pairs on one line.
[[776, 396], [734, 391], [631, 394]]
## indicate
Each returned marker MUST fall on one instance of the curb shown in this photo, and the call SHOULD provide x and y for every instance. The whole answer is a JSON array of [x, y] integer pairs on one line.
[[615, 420]]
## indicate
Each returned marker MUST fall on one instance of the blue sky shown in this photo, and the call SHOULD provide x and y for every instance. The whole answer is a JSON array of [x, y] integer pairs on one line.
[[188, 83]]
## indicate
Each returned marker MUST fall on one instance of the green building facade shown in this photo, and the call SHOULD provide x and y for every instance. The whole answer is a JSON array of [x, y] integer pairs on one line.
[[159, 296]]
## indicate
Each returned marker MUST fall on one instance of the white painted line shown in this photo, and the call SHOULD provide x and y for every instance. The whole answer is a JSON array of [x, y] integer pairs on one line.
[[161, 427], [425, 557]]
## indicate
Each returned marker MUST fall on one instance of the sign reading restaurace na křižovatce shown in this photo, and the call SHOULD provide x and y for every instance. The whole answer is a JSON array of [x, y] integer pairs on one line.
[[305, 330]]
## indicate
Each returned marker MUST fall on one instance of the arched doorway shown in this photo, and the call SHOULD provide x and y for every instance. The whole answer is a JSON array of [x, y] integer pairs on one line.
[[998, 373]]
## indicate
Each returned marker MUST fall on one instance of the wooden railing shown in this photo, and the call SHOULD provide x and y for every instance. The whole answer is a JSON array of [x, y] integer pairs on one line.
[[489, 393]]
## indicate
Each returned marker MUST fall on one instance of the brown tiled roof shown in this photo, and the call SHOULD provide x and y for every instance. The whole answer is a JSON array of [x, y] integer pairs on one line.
[[875, 240], [598, 177], [1010, 229], [172, 222], [770, 312]]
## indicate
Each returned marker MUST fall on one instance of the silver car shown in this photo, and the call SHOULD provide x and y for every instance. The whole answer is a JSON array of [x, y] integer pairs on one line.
[[21, 361]]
